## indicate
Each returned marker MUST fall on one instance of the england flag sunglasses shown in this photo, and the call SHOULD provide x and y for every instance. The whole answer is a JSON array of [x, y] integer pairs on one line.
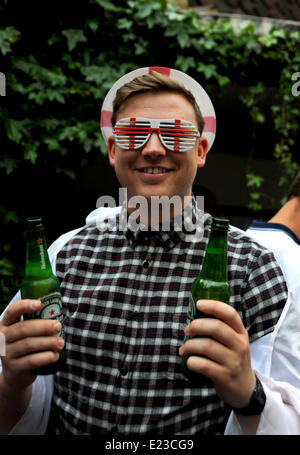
[[133, 132]]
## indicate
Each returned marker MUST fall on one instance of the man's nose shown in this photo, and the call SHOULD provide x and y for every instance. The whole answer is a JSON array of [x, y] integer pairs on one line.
[[153, 146]]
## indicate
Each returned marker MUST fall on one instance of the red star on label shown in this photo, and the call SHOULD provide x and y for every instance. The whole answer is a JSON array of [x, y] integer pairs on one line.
[[40, 240], [52, 312]]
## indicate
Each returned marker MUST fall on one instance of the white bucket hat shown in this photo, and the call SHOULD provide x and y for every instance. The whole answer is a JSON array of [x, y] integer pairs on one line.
[[200, 95]]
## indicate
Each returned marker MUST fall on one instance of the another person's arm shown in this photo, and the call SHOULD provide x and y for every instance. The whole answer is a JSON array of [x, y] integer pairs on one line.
[[281, 415]]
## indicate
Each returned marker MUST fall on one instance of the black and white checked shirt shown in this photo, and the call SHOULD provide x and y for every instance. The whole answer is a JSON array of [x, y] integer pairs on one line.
[[125, 297]]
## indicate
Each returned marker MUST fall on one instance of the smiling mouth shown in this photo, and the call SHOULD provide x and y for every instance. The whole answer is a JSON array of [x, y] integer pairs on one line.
[[154, 170]]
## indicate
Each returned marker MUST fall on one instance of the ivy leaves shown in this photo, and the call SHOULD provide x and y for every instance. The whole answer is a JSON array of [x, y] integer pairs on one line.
[[74, 36], [8, 36]]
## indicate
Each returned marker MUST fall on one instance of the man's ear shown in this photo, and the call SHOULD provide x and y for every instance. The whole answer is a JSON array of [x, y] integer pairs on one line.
[[111, 150], [202, 151]]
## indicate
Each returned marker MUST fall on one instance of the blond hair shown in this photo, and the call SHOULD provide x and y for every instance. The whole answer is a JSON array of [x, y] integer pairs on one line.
[[154, 82]]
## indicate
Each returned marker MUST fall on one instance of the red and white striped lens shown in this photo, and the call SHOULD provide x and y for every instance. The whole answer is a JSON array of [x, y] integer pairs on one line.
[[176, 135]]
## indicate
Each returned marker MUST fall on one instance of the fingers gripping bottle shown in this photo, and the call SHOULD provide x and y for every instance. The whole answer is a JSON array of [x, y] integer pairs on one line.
[[40, 283], [212, 282]]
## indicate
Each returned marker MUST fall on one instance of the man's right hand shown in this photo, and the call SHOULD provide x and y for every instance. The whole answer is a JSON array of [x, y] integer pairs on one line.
[[29, 344]]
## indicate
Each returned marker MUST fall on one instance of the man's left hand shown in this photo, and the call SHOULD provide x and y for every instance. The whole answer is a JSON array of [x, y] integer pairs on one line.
[[221, 352]]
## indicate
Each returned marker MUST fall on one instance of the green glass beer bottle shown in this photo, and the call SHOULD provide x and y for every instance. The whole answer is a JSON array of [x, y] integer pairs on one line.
[[40, 283], [212, 281]]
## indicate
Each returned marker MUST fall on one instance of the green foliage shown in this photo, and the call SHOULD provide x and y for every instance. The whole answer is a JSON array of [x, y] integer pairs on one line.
[[8, 36], [9, 273], [60, 66], [254, 182], [280, 46]]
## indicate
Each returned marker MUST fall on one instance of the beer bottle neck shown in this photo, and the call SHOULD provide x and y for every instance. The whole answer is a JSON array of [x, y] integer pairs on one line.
[[37, 259], [215, 262]]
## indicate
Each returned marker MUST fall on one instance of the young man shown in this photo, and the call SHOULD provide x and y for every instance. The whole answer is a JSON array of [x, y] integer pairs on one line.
[[126, 294]]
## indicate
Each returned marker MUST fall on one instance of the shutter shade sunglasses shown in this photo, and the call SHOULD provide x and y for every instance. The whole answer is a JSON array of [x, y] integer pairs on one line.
[[133, 132]]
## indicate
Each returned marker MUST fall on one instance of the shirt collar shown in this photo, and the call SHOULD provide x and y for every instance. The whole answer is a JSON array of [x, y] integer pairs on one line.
[[183, 227]]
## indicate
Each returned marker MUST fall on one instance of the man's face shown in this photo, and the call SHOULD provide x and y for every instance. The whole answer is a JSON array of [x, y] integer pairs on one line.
[[177, 170]]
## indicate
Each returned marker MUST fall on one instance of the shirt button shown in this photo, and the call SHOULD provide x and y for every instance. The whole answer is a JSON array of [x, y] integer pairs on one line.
[[115, 431], [124, 370], [146, 264]]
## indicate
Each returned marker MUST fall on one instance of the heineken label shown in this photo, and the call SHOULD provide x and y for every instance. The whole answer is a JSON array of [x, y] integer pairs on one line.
[[42, 252], [52, 309]]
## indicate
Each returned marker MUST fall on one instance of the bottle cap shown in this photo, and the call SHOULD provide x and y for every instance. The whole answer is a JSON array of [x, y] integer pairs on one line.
[[220, 223], [34, 223]]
